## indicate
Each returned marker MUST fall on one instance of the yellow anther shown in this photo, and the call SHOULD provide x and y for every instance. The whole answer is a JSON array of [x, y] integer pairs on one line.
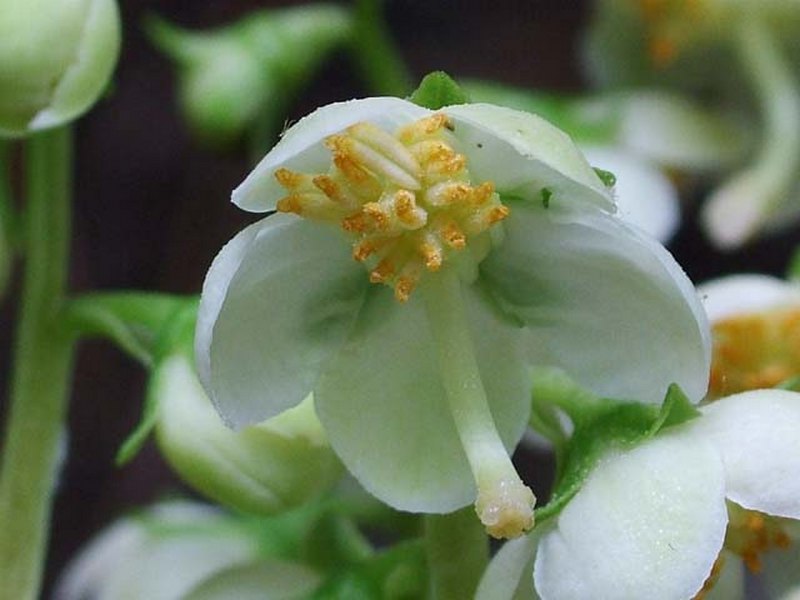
[[482, 193], [452, 235], [758, 350], [290, 204], [403, 288], [432, 253], [662, 50], [405, 198], [751, 533], [423, 128], [407, 211], [291, 180], [383, 272]]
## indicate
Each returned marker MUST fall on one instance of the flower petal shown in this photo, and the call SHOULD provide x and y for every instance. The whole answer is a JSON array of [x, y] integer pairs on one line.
[[509, 574], [756, 434], [264, 580], [301, 147], [645, 197], [676, 132], [522, 153], [277, 301], [648, 523], [263, 469], [747, 293], [384, 408], [600, 300]]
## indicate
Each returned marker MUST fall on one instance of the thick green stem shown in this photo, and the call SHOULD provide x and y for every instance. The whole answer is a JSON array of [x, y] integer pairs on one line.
[[755, 197], [41, 371], [504, 504], [458, 552]]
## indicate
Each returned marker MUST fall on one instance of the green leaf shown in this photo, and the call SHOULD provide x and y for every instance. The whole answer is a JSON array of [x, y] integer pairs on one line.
[[437, 90], [676, 409]]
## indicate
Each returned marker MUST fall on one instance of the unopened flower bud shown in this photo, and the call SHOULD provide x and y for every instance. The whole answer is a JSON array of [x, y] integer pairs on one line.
[[56, 58]]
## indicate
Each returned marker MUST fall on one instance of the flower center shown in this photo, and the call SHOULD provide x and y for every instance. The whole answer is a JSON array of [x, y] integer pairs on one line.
[[405, 199], [668, 25], [755, 351], [751, 533]]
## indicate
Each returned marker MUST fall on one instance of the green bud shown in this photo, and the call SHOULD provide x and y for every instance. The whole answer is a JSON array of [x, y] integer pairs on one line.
[[265, 468], [56, 58], [232, 77]]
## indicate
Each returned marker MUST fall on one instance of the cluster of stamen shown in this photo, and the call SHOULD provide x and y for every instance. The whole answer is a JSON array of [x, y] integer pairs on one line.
[[405, 198], [751, 533], [668, 22], [755, 351]]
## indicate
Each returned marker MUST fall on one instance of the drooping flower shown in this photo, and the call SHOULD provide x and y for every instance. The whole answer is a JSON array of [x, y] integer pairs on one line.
[[174, 549], [652, 521], [246, 73], [756, 332], [740, 55], [490, 245], [56, 58], [635, 134], [265, 468]]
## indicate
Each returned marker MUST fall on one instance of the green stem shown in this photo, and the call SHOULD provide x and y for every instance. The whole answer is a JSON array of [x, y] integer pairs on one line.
[[504, 503], [458, 552], [7, 221], [41, 371], [381, 65], [752, 198]]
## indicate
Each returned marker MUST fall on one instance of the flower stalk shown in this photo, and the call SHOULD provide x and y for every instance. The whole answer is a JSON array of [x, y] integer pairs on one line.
[[752, 197], [41, 371], [504, 504], [455, 575]]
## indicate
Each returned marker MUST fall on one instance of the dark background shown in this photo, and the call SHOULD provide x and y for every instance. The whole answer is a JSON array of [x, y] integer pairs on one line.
[[152, 209]]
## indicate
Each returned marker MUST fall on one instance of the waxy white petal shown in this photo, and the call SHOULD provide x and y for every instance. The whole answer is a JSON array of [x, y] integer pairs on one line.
[[645, 197], [384, 408], [648, 523], [748, 293], [602, 301], [756, 434], [263, 469], [278, 300], [522, 153], [129, 561], [301, 148], [509, 574]]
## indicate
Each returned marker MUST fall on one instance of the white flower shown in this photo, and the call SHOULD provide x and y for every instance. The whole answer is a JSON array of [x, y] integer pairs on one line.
[[508, 237], [650, 522], [756, 321], [56, 58], [174, 550], [737, 55]]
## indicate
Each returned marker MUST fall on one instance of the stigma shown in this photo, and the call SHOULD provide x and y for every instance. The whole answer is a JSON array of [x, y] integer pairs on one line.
[[404, 198]]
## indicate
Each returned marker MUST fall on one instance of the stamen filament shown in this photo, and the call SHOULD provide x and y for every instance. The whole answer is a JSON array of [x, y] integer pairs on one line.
[[504, 504]]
